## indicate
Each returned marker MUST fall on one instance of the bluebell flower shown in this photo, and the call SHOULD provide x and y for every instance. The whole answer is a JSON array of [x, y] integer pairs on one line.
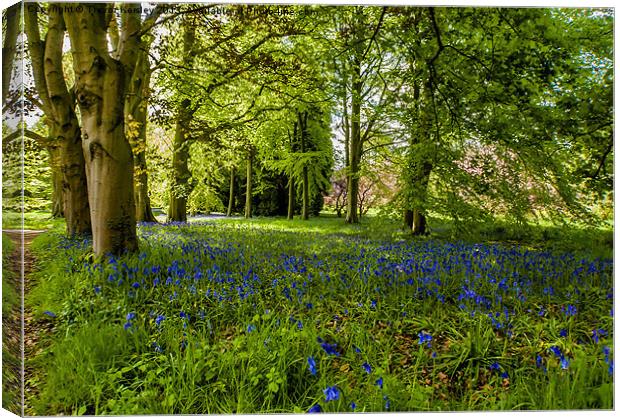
[[570, 310], [331, 393], [50, 313], [357, 349], [97, 289], [312, 365], [367, 368], [379, 382], [434, 354], [353, 405], [127, 325], [504, 375], [564, 363], [425, 338], [494, 366], [563, 333], [373, 303], [556, 350], [330, 349], [130, 316], [316, 408], [251, 328], [387, 402], [159, 319], [135, 285]]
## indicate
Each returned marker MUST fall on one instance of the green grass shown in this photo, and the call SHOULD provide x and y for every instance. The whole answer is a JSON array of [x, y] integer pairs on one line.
[[254, 296], [11, 395], [37, 220]]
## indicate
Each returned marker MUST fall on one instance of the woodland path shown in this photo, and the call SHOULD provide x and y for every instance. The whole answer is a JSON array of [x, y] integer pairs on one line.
[[12, 324]]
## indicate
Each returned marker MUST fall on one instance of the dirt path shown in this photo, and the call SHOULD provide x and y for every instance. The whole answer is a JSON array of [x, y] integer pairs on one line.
[[21, 263]]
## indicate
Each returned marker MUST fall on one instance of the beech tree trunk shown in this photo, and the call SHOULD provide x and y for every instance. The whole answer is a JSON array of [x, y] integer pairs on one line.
[[57, 201], [135, 127], [305, 196], [182, 184], [231, 192], [248, 186], [408, 219], [420, 163], [291, 199], [65, 131], [355, 140], [100, 90], [64, 139], [9, 46]]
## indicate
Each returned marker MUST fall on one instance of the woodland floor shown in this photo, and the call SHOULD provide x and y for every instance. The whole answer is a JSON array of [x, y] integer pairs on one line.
[[12, 324]]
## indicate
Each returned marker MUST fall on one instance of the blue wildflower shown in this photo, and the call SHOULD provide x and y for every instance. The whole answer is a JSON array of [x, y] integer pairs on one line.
[[538, 360], [135, 285], [127, 325], [315, 409], [564, 363], [556, 351], [251, 328], [367, 368], [353, 405], [563, 333], [130, 316], [494, 366], [330, 349], [387, 402], [50, 313], [379, 382], [312, 365], [425, 338], [159, 319], [97, 289], [331, 393]]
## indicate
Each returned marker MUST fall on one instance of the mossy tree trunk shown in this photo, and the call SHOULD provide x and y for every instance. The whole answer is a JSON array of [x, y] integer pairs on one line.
[[302, 120], [9, 47], [182, 182], [248, 185], [64, 140], [231, 192], [100, 88]]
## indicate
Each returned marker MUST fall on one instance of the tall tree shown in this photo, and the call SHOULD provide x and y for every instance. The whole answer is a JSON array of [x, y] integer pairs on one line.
[[12, 15], [181, 177], [100, 87], [64, 140]]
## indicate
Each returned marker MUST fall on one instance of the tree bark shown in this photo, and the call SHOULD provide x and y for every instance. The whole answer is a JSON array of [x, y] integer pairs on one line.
[[248, 186], [291, 199], [420, 163], [182, 184], [305, 194], [231, 192], [355, 148], [408, 219], [9, 46], [57, 201], [65, 131], [135, 128], [100, 90]]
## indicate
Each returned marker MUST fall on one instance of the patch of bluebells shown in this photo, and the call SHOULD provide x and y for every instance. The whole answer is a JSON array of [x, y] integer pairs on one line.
[[201, 265]]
